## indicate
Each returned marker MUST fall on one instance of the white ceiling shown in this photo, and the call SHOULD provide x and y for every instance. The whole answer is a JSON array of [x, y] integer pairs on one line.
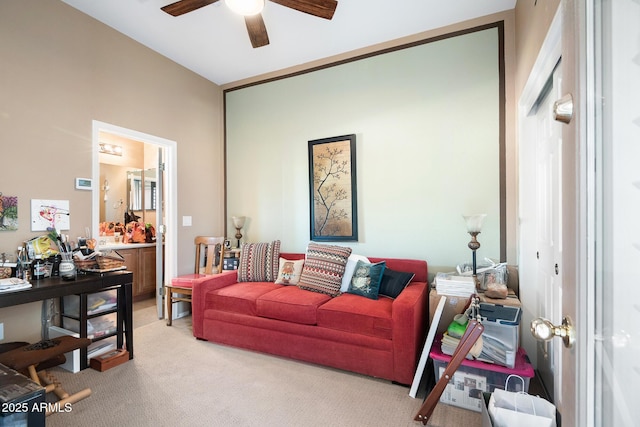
[[212, 41]]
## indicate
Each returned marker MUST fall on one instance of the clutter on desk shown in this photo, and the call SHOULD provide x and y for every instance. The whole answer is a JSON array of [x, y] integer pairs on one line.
[[11, 284], [457, 286], [491, 275]]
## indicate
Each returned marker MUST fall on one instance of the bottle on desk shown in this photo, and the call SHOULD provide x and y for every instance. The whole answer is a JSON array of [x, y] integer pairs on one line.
[[38, 268], [22, 264]]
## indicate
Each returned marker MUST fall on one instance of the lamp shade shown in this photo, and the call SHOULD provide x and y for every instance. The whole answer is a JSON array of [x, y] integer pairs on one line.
[[245, 7], [474, 222], [238, 221]]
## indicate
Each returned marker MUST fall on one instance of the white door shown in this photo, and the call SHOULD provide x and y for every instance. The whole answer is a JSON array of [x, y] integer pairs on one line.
[[548, 197], [549, 223]]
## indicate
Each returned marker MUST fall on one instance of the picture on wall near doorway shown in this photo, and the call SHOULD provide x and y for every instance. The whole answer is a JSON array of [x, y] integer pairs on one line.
[[332, 189], [49, 214], [8, 212]]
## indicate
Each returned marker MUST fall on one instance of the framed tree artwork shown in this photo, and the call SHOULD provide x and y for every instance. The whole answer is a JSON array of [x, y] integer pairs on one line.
[[332, 189]]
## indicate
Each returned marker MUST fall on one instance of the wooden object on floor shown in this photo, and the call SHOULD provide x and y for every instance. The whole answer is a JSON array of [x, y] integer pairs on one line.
[[182, 286], [473, 332], [30, 356], [109, 360]]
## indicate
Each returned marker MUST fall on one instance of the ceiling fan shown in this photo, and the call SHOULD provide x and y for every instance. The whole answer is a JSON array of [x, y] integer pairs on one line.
[[255, 24]]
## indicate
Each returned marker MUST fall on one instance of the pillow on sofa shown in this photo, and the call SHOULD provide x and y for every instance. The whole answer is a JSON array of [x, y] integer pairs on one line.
[[323, 268], [289, 271], [393, 282], [349, 269], [259, 262], [366, 279]]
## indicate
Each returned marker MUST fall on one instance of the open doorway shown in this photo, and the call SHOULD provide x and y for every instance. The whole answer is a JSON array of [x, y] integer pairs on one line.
[[142, 188]]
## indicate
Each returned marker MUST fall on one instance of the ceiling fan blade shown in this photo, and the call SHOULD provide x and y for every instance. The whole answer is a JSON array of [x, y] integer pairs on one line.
[[257, 30], [320, 8], [185, 6]]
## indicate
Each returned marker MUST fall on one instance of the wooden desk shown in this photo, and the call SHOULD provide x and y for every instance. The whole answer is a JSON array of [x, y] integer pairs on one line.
[[84, 284]]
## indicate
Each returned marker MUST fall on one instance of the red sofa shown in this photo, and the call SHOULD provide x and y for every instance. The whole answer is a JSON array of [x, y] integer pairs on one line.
[[382, 338]]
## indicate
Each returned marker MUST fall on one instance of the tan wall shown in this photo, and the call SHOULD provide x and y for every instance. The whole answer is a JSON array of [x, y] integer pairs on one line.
[[61, 69], [532, 24]]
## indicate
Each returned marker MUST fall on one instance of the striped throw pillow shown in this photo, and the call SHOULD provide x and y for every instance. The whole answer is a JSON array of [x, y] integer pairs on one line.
[[323, 268], [259, 262]]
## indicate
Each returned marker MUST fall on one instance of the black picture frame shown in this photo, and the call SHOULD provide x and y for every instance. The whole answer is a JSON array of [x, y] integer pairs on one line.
[[332, 189]]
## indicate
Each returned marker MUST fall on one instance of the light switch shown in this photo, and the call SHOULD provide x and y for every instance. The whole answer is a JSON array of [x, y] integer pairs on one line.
[[1, 331], [186, 221]]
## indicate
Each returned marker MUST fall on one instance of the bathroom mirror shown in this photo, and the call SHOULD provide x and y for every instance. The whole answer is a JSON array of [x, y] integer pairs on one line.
[[141, 189]]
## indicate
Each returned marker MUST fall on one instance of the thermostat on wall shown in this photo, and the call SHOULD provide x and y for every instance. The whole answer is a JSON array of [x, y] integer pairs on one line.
[[84, 184]]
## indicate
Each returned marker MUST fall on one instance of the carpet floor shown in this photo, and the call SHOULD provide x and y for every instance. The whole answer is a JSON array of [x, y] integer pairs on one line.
[[175, 379]]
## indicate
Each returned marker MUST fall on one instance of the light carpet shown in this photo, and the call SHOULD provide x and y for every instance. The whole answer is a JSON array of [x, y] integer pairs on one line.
[[175, 379]]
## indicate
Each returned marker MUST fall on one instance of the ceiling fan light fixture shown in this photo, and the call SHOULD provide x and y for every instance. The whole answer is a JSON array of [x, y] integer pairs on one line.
[[245, 7]]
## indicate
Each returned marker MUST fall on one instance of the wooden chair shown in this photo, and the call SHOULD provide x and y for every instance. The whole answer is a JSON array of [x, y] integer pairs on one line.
[[207, 250]]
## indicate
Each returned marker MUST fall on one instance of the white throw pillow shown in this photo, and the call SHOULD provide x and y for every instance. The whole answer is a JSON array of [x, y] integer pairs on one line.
[[349, 269]]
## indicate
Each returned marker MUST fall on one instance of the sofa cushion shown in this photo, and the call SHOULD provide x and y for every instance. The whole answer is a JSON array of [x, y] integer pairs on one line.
[[240, 297], [291, 304], [259, 262], [366, 279], [289, 271], [323, 268], [352, 313], [393, 282], [349, 268]]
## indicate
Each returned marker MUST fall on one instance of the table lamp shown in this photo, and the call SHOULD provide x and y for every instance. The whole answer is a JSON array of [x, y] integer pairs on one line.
[[238, 223], [474, 226]]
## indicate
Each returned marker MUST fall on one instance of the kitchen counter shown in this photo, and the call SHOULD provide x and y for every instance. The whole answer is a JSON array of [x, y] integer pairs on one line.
[[116, 246]]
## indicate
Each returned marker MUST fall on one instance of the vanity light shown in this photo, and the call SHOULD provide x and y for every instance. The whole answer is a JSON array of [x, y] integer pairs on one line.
[[245, 7], [115, 150]]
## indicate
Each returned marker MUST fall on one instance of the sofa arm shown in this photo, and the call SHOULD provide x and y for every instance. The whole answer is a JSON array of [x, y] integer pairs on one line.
[[410, 314], [203, 286]]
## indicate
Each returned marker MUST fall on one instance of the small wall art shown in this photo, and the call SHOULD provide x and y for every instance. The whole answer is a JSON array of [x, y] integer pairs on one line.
[[49, 213], [332, 188], [8, 213]]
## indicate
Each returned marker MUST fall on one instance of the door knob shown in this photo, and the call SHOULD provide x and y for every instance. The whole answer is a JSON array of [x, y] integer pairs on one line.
[[563, 109], [544, 330]]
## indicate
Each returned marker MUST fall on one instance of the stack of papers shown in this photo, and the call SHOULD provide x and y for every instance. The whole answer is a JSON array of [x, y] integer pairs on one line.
[[11, 284], [493, 351], [455, 286]]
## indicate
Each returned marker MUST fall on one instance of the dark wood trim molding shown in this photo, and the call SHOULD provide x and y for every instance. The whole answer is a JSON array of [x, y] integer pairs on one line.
[[502, 109]]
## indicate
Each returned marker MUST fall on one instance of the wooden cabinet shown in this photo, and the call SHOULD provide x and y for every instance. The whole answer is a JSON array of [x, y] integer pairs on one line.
[[141, 261], [147, 265]]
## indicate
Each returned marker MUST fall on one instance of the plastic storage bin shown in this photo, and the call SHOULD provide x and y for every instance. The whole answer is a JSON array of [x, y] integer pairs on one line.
[[474, 377], [96, 327], [96, 303], [502, 323]]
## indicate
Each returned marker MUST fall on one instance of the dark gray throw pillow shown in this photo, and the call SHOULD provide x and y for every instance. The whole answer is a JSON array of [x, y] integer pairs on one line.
[[393, 282]]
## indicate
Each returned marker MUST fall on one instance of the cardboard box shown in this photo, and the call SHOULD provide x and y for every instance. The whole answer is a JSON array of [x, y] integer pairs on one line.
[[456, 305], [109, 360]]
